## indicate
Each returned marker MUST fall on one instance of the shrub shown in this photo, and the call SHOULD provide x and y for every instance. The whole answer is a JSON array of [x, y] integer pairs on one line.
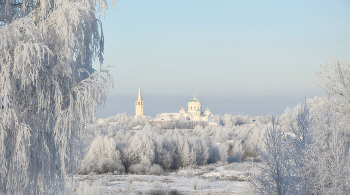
[[102, 157], [156, 170], [163, 192]]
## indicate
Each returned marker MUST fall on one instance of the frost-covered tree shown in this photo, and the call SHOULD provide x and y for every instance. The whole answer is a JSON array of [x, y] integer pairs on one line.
[[235, 152], [102, 157], [325, 166], [336, 79], [314, 161], [48, 89], [276, 176]]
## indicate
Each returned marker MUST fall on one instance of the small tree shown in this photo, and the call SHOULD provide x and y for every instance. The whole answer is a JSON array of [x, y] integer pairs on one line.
[[275, 177], [48, 89]]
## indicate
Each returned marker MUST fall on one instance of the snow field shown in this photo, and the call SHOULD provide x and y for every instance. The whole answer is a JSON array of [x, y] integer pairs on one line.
[[212, 179]]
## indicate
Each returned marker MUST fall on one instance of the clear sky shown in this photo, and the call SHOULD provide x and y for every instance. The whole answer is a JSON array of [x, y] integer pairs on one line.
[[221, 50]]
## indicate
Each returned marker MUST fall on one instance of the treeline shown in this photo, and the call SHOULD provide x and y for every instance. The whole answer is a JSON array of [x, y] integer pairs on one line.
[[153, 151]]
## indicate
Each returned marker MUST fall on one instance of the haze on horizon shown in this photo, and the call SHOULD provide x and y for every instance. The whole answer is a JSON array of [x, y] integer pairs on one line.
[[243, 57]]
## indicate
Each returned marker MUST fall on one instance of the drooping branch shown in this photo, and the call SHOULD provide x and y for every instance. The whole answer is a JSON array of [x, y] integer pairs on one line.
[[91, 80]]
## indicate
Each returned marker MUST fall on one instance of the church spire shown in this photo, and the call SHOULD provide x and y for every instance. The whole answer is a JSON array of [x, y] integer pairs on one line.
[[139, 96]]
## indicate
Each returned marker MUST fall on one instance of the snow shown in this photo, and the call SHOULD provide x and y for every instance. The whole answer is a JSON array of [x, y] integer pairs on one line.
[[211, 179]]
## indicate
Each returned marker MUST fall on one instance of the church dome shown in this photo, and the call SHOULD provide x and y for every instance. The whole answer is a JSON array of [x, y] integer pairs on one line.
[[194, 104], [182, 110]]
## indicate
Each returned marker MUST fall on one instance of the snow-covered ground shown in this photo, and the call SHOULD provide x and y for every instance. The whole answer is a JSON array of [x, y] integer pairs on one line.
[[212, 179]]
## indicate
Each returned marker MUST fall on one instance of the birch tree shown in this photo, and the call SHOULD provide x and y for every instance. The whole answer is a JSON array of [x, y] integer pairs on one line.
[[48, 89]]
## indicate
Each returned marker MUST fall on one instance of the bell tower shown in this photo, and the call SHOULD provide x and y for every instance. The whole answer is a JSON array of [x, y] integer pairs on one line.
[[139, 104]]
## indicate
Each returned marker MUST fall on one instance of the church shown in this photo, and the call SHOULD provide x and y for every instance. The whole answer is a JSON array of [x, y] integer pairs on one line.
[[194, 111]]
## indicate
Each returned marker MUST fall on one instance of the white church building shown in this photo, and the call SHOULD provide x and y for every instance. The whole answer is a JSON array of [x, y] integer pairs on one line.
[[194, 111]]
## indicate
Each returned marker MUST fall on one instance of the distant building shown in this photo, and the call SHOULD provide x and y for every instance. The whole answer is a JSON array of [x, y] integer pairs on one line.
[[139, 104], [194, 112]]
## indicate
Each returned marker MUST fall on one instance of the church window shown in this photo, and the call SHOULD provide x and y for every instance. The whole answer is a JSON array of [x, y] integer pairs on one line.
[[136, 103], [139, 103], [195, 107]]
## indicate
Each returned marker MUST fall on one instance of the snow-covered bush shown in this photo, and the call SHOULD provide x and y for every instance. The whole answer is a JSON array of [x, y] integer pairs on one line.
[[102, 157], [218, 119], [223, 151], [213, 153], [163, 192], [223, 134], [236, 120], [251, 138], [235, 152], [239, 120], [142, 168], [156, 169]]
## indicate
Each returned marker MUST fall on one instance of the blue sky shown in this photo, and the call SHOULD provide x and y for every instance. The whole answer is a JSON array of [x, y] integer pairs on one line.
[[221, 50]]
